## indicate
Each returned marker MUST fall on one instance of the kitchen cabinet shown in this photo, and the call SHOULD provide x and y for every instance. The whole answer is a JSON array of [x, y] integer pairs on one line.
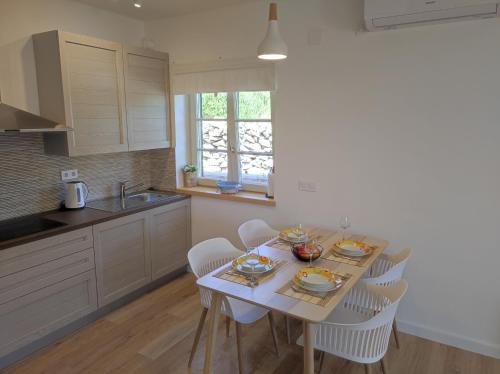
[[170, 230], [112, 97], [80, 84], [132, 251], [37, 314], [123, 262], [29, 255], [45, 285], [147, 98]]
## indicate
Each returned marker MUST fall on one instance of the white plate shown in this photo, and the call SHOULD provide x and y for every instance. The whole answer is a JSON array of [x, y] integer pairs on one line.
[[240, 264], [334, 286], [292, 235], [351, 249], [316, 278]]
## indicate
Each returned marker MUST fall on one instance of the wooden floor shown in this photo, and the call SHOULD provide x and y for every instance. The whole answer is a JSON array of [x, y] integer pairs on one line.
[[154, 335]]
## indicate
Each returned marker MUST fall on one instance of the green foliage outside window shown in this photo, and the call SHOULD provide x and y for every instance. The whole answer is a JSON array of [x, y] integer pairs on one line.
[[254, 105], [214, 106], [251, 105]]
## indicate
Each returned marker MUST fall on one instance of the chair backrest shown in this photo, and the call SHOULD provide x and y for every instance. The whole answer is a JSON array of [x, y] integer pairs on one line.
[[388, 269], [210, 254], [256, 232], [367, 341], [207, 256]]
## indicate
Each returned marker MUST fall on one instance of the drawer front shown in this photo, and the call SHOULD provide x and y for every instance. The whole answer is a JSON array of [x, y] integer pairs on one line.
[[30, 280], [28, 255], [28, 318]]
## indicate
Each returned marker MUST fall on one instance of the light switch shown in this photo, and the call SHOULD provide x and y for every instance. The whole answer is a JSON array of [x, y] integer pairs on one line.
[[307, 186]]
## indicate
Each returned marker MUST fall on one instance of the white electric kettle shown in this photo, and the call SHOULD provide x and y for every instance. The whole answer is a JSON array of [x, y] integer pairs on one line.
[[76, 194]]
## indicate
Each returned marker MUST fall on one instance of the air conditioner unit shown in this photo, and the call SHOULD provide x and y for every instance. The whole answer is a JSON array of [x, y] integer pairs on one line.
[[389, 14]]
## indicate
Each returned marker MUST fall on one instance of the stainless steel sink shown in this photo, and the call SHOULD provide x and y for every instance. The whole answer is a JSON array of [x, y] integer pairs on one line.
[[136, 200], [148, 197]]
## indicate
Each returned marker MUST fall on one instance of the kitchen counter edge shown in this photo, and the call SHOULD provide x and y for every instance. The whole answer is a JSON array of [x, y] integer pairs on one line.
[[78, 219]]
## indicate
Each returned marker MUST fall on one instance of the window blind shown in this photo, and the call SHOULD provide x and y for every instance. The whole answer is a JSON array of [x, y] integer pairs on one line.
[[223, 76]]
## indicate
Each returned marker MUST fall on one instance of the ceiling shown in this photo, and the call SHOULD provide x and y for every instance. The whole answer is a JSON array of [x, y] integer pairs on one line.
[[155, 9]]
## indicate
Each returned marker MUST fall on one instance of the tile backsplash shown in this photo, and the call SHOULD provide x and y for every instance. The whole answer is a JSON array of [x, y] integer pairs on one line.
[[30, 180]]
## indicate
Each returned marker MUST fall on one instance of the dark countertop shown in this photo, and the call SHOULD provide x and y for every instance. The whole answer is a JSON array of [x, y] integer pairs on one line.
[[77, 219]]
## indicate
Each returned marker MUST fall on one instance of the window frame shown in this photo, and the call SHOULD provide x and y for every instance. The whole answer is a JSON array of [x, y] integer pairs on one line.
[[233, 140]]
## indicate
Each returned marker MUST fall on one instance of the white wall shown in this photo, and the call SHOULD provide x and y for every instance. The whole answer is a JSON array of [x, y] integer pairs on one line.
[[399, 129], [20, 19]]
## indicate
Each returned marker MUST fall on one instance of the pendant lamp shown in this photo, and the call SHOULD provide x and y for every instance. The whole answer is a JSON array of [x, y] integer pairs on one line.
[[272, 47]]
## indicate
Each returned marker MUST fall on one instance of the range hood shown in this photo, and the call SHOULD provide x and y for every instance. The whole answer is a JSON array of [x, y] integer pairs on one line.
[[17, 120]]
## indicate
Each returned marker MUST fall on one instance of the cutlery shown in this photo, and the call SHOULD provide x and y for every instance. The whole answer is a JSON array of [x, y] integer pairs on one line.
[[238, 274]]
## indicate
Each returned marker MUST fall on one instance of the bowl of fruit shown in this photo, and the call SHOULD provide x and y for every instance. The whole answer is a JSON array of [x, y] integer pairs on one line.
[[308, 251]]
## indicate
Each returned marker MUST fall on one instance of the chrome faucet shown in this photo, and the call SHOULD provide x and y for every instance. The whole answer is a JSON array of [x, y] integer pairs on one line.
[[124, 189]]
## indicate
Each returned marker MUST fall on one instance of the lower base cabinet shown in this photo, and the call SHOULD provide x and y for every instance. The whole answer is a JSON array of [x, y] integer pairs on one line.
[[132, 251], [47, 284], [170, 232], [122, 257], [27, 318]]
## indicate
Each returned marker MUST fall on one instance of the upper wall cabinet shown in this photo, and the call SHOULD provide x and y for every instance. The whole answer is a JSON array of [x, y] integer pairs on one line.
[[147, 98], [114, 99]]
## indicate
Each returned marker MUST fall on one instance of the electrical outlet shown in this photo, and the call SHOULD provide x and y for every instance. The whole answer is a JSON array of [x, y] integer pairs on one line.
[[307, 186], [69, 174]]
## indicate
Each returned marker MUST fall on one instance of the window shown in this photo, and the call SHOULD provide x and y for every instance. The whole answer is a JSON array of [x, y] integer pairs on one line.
[[233, 137]]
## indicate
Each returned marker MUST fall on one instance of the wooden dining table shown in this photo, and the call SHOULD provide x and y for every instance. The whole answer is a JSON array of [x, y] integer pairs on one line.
[[266, 293]]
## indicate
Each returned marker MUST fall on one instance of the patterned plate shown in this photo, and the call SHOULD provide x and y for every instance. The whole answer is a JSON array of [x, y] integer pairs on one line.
[[333, 287], [352, 248], [253, 264], [316, 279], [293, 235]]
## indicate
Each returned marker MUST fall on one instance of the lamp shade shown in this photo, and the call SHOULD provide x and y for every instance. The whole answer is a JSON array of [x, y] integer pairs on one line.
[[273, 46]]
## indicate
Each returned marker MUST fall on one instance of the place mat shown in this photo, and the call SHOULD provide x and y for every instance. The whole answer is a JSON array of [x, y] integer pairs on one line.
[[331, 255], [313, 234], [321, 235], [316, 299], [280, 244], [231, 275]]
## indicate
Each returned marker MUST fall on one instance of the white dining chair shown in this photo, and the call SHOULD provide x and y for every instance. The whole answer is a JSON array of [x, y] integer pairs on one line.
[[256, 232], [205, 257], [386, 270], [359, 329]]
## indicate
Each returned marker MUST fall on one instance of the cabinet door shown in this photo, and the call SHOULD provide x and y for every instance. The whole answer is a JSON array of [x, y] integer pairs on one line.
[[27, 318], [93, 86], [170, 237], [147, 98], [122, 257]]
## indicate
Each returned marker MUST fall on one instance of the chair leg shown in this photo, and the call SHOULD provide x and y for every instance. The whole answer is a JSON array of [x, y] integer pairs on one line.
[[228, 325], [197, 336], [396, 333], [321, 360], [238, 347], [384, 366], [273, 332], [288, 331], [368, 369]]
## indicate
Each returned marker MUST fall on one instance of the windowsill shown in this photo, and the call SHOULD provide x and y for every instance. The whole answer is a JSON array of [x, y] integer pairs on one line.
[[242, 196]]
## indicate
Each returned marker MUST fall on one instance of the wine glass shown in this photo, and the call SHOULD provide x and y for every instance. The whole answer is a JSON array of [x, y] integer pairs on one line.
[[310, 250], [253, 262], [344, 224]]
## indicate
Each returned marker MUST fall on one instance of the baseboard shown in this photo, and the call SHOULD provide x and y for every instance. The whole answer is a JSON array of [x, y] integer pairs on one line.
[[440, 336]]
